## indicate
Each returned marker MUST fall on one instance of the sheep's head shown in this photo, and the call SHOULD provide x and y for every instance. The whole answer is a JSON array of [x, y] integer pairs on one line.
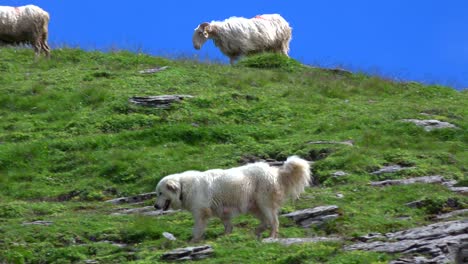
[[201, 35]]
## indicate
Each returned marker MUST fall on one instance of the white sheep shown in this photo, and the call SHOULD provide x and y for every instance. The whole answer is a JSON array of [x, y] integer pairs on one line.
[[25, 24], [238, 36]]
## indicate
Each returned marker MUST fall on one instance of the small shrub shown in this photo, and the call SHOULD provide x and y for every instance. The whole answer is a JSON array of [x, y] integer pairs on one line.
[[11, 211]]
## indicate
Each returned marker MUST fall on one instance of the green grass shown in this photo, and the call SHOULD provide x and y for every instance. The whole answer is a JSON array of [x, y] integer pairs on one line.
[[69, 139]]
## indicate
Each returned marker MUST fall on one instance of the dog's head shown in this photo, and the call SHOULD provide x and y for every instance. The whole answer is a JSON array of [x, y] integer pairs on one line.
[[169, 194]]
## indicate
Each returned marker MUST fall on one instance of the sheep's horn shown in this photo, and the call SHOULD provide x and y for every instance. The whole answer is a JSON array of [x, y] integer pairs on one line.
[[203, 25]]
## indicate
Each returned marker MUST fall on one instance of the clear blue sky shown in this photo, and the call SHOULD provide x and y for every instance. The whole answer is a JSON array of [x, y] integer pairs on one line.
[[421, 40]]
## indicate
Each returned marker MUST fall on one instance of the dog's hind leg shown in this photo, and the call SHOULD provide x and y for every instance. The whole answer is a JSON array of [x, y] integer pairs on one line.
[[270, 219], [263, 223]]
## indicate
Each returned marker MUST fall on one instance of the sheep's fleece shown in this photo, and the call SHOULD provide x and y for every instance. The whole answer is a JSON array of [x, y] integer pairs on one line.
[[238, 36], [256, 188], [25, 24]]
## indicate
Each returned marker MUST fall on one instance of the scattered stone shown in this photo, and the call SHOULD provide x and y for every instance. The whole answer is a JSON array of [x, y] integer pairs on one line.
[[314, 216], [91, 261], [39, 222], [160, 101], [453, 213], [189, 253], [120, 245], [443, 242], [153, 70], [133, 199], [338, 174], [430, 124], [390, 169], [416, 204], [424, 179], [346, 142], [339, 195], [169, 236], [146, 210], [291, 241]]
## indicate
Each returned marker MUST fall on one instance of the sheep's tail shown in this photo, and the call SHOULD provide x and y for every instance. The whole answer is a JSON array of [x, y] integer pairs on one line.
[[294, 176]]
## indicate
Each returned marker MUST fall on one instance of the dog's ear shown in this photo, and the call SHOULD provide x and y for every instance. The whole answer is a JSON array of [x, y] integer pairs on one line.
[[172, 186]]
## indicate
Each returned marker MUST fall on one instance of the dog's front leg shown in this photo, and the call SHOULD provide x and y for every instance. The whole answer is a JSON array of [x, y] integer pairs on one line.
[[201, 219], [227, 225]]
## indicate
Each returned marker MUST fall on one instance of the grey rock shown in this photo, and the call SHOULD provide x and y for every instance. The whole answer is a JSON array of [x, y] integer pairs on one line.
[[346, 142], [461, 190], [452, 214], [291, 241], [39, 222], [120, 245], [153, 70], [416, 204], [146, 210], [133, 199], [158, 101], [314, 216], [424, 179], [338, 174], [390, 169], [442, 242], [371, 237], [169, 236], [430, 124], [189, 253]]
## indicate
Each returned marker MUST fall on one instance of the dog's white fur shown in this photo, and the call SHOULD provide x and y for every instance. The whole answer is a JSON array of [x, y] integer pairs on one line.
[[238, 36], [256, 188]]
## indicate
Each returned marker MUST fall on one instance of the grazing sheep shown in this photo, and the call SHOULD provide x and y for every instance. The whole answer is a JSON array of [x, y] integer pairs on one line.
[[238, 36], [25, 24]]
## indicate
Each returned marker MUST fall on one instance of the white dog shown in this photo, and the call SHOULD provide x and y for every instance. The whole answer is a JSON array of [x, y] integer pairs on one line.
[[255, 188]]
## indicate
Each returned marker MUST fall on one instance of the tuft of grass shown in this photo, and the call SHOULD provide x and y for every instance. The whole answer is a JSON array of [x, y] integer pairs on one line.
[[271, 61]]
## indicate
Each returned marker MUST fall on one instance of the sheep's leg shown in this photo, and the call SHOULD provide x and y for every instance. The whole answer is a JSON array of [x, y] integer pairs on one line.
[[37, 49], [45, 47]]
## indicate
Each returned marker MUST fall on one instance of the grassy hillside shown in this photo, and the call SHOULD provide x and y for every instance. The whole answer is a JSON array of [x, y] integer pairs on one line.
[[69, 140]]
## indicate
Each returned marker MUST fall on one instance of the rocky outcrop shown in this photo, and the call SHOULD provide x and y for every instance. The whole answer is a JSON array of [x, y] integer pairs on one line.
[[437, 243], [425, 179], [314, 216]]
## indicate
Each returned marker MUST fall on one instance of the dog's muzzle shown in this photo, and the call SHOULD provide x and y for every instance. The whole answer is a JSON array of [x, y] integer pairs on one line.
[[165, 206]]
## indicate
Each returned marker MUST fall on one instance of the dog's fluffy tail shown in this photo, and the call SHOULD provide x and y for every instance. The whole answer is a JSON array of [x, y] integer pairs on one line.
[[294, 176]]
